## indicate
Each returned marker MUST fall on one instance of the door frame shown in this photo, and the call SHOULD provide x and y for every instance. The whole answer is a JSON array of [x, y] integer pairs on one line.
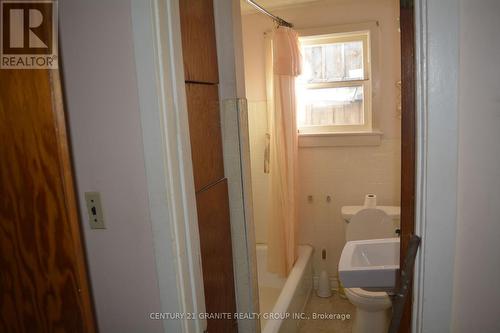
[[408, 141], [437, 63], [156, 37], [167, 153]]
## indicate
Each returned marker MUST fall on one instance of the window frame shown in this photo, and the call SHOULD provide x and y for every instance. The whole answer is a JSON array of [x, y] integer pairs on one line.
[[339, 37]]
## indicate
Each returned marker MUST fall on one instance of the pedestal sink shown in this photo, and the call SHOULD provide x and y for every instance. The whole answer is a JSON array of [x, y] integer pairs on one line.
[[370, 264]]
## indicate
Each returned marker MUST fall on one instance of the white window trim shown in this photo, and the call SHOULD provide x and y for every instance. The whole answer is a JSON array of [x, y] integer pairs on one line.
[[320, 134], [364, 37], [340, 139]]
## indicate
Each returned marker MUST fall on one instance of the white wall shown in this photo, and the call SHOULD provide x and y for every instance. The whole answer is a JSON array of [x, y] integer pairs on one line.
[[344, 173], [477, 269], [104, 121]]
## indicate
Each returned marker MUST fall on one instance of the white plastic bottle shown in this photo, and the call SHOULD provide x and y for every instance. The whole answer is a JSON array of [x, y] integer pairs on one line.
[[324, 288]]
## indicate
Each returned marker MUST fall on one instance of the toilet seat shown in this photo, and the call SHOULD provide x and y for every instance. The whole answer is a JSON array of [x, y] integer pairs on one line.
[[368, 294]]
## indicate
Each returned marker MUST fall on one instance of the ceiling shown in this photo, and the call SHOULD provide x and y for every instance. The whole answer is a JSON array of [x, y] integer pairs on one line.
[[272, 4]]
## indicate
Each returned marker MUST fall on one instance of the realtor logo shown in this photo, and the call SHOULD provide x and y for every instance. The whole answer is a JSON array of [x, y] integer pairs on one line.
[[29, 34]]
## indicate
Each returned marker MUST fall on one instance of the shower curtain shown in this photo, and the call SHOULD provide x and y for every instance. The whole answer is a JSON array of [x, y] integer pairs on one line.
[[283, 64]]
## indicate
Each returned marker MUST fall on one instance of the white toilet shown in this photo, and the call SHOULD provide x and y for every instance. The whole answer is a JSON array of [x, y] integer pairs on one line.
[[372, 307]]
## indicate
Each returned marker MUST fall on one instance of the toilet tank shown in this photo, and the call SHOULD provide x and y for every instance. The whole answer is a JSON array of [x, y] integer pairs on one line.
[[371, 223]]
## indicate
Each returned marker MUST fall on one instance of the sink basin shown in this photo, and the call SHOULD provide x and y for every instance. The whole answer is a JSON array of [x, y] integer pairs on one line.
[[370, 263]]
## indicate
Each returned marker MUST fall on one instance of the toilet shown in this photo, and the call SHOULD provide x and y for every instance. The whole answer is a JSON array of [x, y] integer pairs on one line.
[[373, 308]]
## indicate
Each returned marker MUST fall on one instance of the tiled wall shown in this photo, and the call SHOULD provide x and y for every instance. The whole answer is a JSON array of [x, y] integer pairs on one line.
[[345, 174], [257, 126]]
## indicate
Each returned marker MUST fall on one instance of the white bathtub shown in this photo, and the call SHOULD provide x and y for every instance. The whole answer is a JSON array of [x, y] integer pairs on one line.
[[281, 298]]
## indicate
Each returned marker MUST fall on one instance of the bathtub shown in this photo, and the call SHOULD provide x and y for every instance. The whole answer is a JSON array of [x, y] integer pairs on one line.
[[281, 298]]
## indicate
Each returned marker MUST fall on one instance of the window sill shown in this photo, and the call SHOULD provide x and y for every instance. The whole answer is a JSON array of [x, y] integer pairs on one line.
[[340, 139]]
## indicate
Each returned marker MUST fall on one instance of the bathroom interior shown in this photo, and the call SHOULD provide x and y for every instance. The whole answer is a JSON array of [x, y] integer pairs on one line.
[[346, 169]]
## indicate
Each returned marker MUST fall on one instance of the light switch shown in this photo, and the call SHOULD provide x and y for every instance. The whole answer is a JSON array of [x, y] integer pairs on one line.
[[94, 208]]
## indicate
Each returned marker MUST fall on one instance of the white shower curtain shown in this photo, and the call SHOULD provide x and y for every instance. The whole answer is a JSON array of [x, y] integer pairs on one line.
[[283, 64]]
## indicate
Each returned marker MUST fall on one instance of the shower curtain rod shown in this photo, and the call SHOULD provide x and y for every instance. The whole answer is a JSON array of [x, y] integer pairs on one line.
[[277, 19]]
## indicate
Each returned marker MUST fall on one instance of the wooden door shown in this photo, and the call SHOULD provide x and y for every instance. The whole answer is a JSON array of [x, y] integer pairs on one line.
[[408, 130], [43, 277], [201, 74]]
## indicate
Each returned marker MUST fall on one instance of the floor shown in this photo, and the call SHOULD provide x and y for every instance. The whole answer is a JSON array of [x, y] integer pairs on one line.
[[340, 311], [267, 299]]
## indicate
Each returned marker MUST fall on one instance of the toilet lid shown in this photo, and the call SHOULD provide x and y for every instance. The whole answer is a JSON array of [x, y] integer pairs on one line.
[[370, 223], [368, 294]]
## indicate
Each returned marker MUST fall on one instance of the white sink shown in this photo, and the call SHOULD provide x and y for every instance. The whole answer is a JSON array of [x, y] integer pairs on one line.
[[370, 263]]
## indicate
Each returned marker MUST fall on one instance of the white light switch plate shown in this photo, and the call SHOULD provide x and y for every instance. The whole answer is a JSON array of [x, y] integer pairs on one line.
[[94, 209]]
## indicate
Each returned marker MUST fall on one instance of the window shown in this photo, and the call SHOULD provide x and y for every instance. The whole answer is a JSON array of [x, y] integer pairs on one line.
[[334, 90]]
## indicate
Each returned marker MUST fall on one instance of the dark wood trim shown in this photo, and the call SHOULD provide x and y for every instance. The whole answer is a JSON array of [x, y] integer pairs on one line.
[[199, 48], [199, 51], [408, 130]]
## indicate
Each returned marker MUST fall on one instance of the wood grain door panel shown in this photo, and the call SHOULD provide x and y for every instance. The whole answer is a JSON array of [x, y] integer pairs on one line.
[[201, 74], [216, 254], [43, 279], [205, 134], [199, 49]]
